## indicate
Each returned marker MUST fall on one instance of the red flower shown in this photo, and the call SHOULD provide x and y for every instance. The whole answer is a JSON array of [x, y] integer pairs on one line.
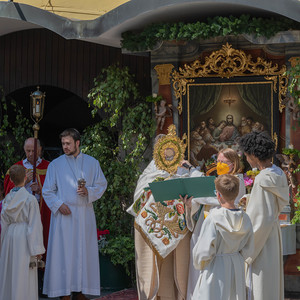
[[101, 232], [180, 208]]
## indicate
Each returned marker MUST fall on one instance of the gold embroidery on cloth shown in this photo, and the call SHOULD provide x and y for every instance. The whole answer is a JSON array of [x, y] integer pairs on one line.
[[160, 225]]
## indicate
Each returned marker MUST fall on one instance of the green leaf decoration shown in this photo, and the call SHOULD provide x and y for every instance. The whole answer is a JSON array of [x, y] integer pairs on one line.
[[153, 34]]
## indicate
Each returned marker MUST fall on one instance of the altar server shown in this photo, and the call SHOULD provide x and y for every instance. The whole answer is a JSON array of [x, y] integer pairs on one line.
[[73, 182], [219, 252], [270, 193], [228, 162], [21, 241], [33, 187]]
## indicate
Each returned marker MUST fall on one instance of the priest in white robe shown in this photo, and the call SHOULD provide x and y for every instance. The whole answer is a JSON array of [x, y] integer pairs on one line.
[[269, 195], [159, 278], [72, 256]]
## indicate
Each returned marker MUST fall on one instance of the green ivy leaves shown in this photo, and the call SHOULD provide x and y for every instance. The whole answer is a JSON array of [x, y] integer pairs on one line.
[[212, 27], [14, 129]]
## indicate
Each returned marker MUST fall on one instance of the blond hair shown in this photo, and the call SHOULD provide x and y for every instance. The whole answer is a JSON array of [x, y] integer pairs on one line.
[[234, 158], [17, 174], [228, 186]]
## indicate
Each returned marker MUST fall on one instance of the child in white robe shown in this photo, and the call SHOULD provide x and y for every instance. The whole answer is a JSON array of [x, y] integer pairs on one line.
[[228, 162], [225, 234], [21, 241]]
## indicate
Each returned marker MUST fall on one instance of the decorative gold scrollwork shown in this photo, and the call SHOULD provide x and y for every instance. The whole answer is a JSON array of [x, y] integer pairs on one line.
[[226, 63]]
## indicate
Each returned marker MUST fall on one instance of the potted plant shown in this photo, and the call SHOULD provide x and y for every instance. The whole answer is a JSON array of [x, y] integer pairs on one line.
[[115, 257]]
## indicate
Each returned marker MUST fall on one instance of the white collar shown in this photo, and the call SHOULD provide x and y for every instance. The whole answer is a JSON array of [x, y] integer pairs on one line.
[[27, 164]]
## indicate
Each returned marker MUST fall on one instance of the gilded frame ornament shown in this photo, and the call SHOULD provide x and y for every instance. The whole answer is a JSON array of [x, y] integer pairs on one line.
[[169, 151], [227, 63], [229, 66]]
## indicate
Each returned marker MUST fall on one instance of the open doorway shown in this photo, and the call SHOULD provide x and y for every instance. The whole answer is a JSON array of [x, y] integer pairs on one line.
[[63, 109]]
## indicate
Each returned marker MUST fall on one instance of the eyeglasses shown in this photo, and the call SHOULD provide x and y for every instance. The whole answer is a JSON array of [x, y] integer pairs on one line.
[[225, 162]]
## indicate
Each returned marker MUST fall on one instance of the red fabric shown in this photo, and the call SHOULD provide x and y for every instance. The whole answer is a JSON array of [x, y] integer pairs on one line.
[[45, 211]]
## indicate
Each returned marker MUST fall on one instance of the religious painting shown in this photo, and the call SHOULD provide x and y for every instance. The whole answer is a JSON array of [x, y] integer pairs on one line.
[[223, 96], [218, 114]]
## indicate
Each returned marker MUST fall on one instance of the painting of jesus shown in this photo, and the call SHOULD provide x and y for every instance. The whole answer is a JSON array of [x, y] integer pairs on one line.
[[218, 114]]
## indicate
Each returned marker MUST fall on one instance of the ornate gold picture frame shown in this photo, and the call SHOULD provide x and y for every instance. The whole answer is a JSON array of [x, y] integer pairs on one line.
[[228, 87]]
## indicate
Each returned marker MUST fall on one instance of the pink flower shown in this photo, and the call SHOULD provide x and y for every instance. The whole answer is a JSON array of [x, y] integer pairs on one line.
[[248, 181]]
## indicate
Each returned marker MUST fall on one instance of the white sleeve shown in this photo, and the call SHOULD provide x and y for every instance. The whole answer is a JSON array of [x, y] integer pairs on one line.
[[98, 187], [50, 189], [205, 248], [35, 229]]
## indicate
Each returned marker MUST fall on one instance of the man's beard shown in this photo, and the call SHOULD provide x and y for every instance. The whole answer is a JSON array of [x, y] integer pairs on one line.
[[72, 152]]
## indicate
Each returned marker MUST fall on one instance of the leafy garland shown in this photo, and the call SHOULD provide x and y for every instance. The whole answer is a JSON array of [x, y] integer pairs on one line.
[[213, 27], [118, 142]]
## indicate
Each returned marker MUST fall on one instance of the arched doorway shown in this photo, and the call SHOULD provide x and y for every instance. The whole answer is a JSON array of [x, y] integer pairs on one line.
[[63, 109]]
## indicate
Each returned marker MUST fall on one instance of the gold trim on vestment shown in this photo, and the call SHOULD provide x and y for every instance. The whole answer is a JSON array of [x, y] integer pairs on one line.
[[38, 171], [41, 187], [140, 230]]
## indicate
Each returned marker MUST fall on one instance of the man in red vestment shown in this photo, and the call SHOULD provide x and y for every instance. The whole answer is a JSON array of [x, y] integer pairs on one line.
[[36, 187]]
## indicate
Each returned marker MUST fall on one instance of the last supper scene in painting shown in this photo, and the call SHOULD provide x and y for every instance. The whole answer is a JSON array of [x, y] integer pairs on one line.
[[219, 114]]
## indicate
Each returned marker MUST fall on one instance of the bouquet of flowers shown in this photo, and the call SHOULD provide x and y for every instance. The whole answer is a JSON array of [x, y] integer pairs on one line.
[[101, 235], [249, 177]]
